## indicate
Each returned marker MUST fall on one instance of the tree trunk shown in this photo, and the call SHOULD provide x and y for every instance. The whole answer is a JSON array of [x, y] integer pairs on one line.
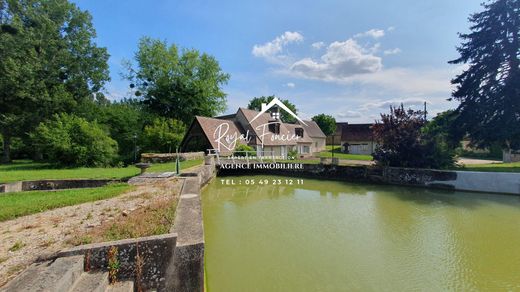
[[6, 158]]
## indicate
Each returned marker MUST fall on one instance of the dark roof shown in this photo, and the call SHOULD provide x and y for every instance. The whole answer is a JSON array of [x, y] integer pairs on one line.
[[313, 129], [357, 132], [209, 125]]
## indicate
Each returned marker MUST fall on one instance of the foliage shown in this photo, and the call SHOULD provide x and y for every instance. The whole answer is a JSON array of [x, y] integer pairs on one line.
[[489, 90], [256, 104], [177, 85], [163, 135], [327, 123], [240, 148], [49, 63], [292, 154], [125, 121], [404, 143], [71, 140]]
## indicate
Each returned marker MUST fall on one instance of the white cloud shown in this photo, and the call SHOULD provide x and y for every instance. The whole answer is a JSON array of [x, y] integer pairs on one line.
[[290, 85], [385, 104], [392, 51], [349, 114], [390, 28], [272, 50], [318, 45], [341, 60], [373, 33]]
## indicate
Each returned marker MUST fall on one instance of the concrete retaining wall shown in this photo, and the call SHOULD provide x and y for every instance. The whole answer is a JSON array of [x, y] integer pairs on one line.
[[492, 182], [168, 157], [54, 184], [186, 271], [153, 251]]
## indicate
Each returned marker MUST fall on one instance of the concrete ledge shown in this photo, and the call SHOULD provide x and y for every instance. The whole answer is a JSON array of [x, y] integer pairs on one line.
[[168, 157], [54, 184], [154, 252], [491, 182], [186, 270]]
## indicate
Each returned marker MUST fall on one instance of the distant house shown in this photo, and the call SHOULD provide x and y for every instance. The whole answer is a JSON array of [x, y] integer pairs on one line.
[[335, 139], [264, 132], [357, 139]]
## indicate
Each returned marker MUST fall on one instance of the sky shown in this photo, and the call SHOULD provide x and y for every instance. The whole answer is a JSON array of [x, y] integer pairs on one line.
[[348, 58]]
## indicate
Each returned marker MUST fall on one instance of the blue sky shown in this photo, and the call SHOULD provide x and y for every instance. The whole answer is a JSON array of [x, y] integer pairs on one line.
[[350, 59]]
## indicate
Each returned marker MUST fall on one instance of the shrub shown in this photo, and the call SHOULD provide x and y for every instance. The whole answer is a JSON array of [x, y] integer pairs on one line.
[[292, 154], [240, 148], [73, 141], [163, 135], [403, 142]]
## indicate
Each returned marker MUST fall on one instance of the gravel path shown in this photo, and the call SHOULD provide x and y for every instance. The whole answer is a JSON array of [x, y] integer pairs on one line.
[[25, 239]]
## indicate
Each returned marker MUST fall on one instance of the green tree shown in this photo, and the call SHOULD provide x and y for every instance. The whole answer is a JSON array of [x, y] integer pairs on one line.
[[406, 140], [163, 135], [256, 104], [489, 90], [327, 123], [175, 84], [49, 63], [71, 140]]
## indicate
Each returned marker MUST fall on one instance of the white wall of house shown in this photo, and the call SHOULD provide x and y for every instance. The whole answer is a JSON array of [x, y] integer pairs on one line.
[[363, 147], [319, 144]]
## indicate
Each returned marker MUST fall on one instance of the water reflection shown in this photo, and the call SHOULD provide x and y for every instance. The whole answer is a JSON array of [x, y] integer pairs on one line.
[[335, 236]]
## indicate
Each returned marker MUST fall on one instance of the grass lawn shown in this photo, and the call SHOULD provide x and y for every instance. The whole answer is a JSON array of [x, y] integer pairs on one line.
[[493, 167], [338, 154], [24, 203], [29, 170]]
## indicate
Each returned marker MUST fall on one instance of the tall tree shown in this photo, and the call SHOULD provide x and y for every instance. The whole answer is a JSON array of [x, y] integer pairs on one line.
[[489, 90], [256, 104], [175, 84], [49, 63], [327, 123]]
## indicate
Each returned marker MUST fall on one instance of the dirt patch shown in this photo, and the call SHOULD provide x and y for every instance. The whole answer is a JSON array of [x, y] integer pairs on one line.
[[26, 238]]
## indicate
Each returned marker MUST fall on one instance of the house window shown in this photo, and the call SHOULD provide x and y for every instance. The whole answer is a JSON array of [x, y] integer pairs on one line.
[[274, 127], [299, 132], [306, 149]]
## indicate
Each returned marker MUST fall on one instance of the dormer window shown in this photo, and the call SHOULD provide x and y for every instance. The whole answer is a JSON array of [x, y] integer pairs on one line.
[[274, 127], [299, 132]]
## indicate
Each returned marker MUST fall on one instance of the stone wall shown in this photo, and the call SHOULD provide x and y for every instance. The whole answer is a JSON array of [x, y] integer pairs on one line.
[[492, 182], [169, 157], [152, 251], [186, 271], [54, 184]]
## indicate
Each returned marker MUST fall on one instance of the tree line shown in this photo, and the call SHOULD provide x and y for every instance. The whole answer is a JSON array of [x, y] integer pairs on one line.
[[52, 101], [53, 106]]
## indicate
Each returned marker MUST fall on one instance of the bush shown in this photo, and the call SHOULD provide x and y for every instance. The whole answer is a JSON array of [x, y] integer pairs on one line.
[[406, 140], [73, 141], [163, 135], [240, 148], [292, 154]]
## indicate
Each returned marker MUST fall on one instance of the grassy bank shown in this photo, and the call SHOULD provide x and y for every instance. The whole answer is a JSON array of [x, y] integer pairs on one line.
[[338, 154], [493, 167], [29, 170], [14, 205]]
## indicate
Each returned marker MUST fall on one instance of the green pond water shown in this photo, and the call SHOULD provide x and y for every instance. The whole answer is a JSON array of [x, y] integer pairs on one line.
[[335, 236]]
